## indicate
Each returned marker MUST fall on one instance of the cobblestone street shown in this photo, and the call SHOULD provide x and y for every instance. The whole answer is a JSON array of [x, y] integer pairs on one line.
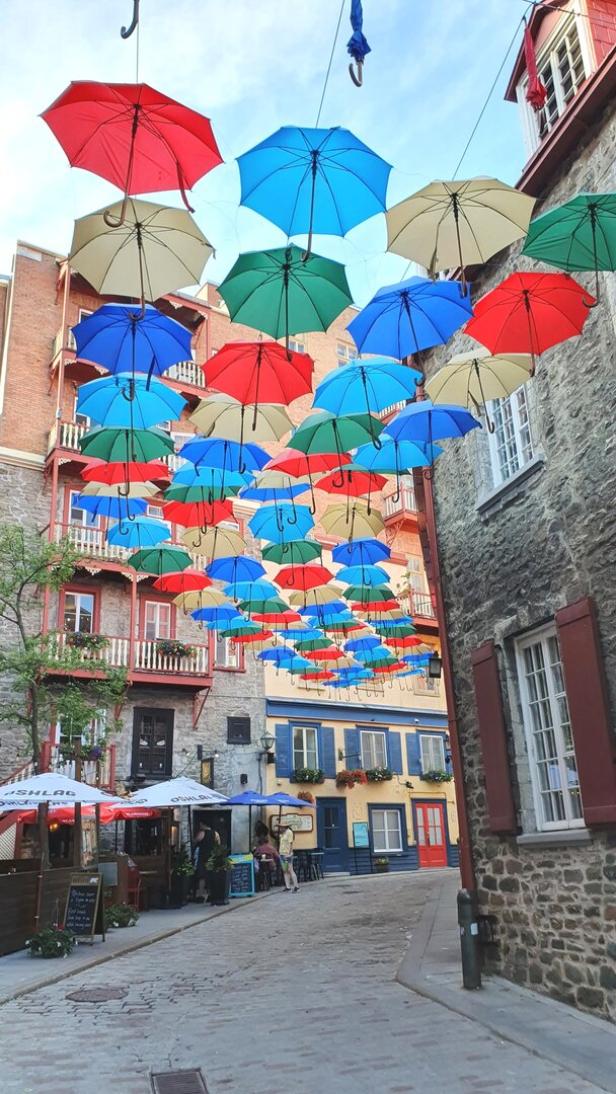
[[290, 994]]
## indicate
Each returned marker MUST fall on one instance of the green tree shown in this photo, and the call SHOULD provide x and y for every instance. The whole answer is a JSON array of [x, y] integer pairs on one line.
[[28, 566]]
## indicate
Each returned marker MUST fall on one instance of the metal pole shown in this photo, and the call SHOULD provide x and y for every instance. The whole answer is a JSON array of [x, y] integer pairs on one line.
[[469, 940]]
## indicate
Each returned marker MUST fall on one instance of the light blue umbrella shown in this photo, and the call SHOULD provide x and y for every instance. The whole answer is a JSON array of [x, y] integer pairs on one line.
[[251, 590], [101, 506], [413, 315], [362, 575], [124, 400], [396, 457], [277, 655], [423, 423], [235, 568], [226, 455], [142, 532], [369, 385], [121, 338], [281, 523], [274, 493], [210, 477], [217, 617]]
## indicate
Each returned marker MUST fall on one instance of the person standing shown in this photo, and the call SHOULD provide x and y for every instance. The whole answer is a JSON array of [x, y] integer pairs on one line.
[[285, 846], [204, 845]]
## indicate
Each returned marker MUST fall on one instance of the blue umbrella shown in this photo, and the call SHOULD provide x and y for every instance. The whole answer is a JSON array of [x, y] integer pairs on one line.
[[235, 568], [277, 655], [395, 457], [413, 315], [142, 532], [123, 339], [124, 400], [251, 590], [423, 422], [324, 611], [226, 455], [377, 653], [362, 575], [211, 478], [121, 508], [362, 644], [274, 493], [298, 664], [248, 797], [217, 617], [287, 799], [366, 386], [361, 552], [388, 624], [357, 45], [281, 523], [313, 180]]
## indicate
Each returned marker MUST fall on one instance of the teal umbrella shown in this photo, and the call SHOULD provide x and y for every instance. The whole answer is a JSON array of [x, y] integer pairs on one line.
[[579, 235]]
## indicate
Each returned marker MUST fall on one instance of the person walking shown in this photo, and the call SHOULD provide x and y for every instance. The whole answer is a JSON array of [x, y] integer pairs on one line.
[[285, 846], [204, 845]]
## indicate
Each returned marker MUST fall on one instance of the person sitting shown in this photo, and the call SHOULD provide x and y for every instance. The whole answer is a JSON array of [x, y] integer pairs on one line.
[[267, 859]]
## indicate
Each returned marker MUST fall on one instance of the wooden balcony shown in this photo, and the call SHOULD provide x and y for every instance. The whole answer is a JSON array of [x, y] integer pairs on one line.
[[93, 543], [99, 773], [401, 505], [188, 378], [142, 660], [65, 435]]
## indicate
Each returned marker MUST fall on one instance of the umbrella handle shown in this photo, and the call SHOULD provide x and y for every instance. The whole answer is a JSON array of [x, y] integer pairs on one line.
[[124, 493], [130, 398], [357, 77], [116, 222], [127, 31]]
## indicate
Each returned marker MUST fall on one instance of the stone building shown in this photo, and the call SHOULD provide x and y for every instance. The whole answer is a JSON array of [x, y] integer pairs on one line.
[[526, 549]]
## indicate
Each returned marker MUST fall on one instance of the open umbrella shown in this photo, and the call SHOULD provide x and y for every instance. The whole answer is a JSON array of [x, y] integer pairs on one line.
[[274, 493], [53, 789], [246, 590], [187, 581], [126, 445], [471, 379], [366, 386], [202, 598], [216, 616], [315, 597], [198, 513], [221, 415], [396, 457], [313, 180], [117, 507], [293, 553], [259, 372], [303, 577], [363, 575], [214, 543], [579, 235], [128, 400], [351, 522], [116, 474], [160, 560], [174, 793], [353, 481], [423, 423], [214, 491], [281, 523], [235, 568], [325, 432], [141, 532], [411, 316], [143, 490], [361, 552], [123, 338], [368, 594], [456, 224], [279, 293], [305, 465], [224, 454]]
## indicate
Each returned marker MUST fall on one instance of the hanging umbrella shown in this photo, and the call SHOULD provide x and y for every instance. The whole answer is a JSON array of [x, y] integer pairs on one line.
[[274, 493], [352, 481], [279, 293], [160, 560], [235, 568], [277, 655], [396, 457], [413, 315], [363, 575], [122, 338], [224, 454], [358, 646], [529, 312], [221, 415], [278, 620], [259, 372], [201, 494], [357, 45], [215, 543], [126, 445], [324, 432], [313, 180], [246, 590], [293, 553], [303, 577], [354, 522], [116, 474], [281, 523], [187, 581], [329, 653], [131, 401], [117, 507], [579, 235], [153, 251], [424, 423], [174, 793], [133, 136], [216, 616], [202, 598], [456, 224], [366, 386], [361, 552], [323, 594], [243, 629], [212, 478], [143, 490], [53, 789], [368, 594], [142, 532], [471, 379], [262, 605], [309, 645], [198, 513], [300, 464]]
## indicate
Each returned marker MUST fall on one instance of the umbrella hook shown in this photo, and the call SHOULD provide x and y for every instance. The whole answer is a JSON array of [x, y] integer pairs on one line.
[[593, 226], [127, 31], [279, 519], [313, 503], [292, 519], [130, 397], [116, 222], [490, 424], [124, 493], [357, 76]]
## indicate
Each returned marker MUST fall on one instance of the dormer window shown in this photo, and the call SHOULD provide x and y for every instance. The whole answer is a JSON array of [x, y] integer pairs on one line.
[[563, 69]]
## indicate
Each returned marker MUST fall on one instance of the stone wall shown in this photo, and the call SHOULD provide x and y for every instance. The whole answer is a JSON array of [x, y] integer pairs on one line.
[[510, 559]]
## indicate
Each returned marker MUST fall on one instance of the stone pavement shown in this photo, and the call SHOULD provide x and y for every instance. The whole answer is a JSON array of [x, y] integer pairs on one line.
[[293, 993]]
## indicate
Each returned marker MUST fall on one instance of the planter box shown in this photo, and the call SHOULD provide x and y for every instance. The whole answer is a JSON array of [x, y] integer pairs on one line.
[[180, 890], [381, 867]]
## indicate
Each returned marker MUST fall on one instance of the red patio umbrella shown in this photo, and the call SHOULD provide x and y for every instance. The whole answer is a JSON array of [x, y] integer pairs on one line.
[[193, 514], [117, 473], [259, 372], [299, 465], [184, 582], [529, 312], [303, 577], [134, 136]]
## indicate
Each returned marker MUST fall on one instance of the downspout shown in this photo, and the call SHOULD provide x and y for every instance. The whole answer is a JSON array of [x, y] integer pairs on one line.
[[67, 287]]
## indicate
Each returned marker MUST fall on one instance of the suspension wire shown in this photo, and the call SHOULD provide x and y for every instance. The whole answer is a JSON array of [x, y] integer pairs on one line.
[[329, 67], [137, 54]]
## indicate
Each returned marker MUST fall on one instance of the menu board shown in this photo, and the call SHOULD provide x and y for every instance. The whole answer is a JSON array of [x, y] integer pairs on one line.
[[83, 914], [242, 875]]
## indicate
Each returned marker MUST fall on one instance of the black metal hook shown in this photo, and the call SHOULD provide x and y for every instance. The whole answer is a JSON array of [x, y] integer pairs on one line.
[[127, 31], [357, 77]]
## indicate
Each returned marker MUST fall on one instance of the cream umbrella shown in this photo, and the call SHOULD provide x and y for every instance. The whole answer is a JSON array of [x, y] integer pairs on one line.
[[458, 223], [215, 543], [127, 490], [221, 415], [155, 250], [471, 379], [323, 594], [354, 521], [201, 598]]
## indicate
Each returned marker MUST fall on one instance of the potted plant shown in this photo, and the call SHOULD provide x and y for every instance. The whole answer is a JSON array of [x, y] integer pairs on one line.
[[345, 780], [437, 776], [219, 867], [181, 879], [307, 775], [379, 774], [171, 647], [381, 865], [89, 643], [120, 915], [306, 796], [51, 942], [360, 776]]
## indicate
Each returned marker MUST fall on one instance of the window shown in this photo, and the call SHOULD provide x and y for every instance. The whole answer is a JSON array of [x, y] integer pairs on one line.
[[152, 743], [305, 753], [157, 620], [78, 516], [562, 71], [373, 750], [78, 615], [511, 443], [296, 347], [432, 752], [548, 731], [386, 830], [426, 685], [345, 352], [238, 731], [227, 653]]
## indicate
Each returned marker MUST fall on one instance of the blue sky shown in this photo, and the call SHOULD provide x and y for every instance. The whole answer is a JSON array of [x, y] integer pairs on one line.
[[251, 66]]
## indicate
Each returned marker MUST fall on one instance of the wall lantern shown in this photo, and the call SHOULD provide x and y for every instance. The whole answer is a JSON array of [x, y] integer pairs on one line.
[[435, 667]]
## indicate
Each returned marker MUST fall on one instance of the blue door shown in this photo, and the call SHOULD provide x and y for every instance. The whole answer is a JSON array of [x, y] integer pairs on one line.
[[332, 833]]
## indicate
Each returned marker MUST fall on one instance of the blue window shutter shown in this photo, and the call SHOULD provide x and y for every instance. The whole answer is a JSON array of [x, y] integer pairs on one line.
[[352, 758], [445, 739], [327, 754], [413, 754], [395, 752], [284, 752]]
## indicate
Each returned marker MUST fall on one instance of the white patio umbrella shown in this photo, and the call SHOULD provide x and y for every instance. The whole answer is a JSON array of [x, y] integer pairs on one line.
[[52, 789], [174, 793]]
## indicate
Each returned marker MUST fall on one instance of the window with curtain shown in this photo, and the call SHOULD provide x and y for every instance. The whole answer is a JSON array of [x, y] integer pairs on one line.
[[305, 751], [78, 616], [373, 749], [157, 620], [432, 752]]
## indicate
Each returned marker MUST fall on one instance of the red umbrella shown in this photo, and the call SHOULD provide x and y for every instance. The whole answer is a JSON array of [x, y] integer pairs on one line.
[[378, 606], [193, 514], [397, 666], [117, 473], [529, 312], [298, 464], [403, 643], [184, 582], [246, 639], [303, 577], [351, 483], [330, 653], [134, 136], [259, 372], [325, 675], [280, 618]]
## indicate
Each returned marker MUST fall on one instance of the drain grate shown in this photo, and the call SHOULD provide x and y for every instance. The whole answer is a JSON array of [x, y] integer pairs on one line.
[[179, 1082], [97, 995]]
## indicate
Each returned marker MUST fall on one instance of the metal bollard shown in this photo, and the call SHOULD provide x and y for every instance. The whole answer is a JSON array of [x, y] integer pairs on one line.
[[469, 940]]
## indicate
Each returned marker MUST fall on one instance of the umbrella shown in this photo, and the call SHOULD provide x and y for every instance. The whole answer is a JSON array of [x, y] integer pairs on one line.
[[476, 377], [160, 560], [153, 251], [424, 423], [354, 522], [288, 799], [133, 136], [142, 532], [302, 577], [323, 594], [279, 293], [216, 616], [224, 454], [184, 582], [243, 628], [328, 653], [368, 594], [127, 400], [318, 675], [54, 789], [257, 372], [212, 478], [174, 793], [293, 553], [246, 590], [116, 474], [141, 490], [221, 415], [274, 493], [122, 338], [325, 432], [366, 386], [281, 523], [357, 45], [396, 457], [301, 464], [117, 507], [235, 568], [313, 180], [215, 542], [306, 645], [262, 605], [352, 481], [413, 315], [209, 597], [579, 235], [362, 575], [361, 552], [126, 445], [529, 312], [219, 491], [249, 798], [456, 224], [357, 646], [277, 654], [198, 513], [278, 620]]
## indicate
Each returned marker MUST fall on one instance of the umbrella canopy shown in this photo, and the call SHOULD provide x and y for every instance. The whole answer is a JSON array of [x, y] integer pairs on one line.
[[187, 581], [455, 224], [126, 445], [220, 491], [176, 792], [289, 800], [303, 577], [141, 532], [300, 464], [281, 523], [471, 379], [324, 432], [210, 597], [274, 493], [396, 457], [529, 312], [424, 423], [235, 568], [361, 552], [128, 400], [413, 315], [122, 338], [202, 513], [160, 560], [279, 293], [249, 797], [357, 646], [366, 386], [218, 616], [323, 594], [209, 478], [351, 481], [116, 474], [153, 251], [351, 521], [215, 542], [52, 788], [277, 654], [128, 490], [221, 415], [246, 590], [363, 575], [579, 235], [117, 507], [133, 136], [368, 594], [295, 552], [224, 454], [259, 372], [313, 180]]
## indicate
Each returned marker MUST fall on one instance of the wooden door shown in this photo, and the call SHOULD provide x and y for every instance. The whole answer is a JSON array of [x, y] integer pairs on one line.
[[152, 743], [431, 842], [332, 833]]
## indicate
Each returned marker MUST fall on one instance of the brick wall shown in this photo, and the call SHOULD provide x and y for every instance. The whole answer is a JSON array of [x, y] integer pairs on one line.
[[602, 16]]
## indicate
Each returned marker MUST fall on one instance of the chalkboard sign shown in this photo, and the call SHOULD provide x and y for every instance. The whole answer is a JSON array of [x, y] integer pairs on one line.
[[242, 875], [83, 914]]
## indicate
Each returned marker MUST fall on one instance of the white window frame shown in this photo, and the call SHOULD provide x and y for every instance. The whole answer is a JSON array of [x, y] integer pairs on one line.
[[428, 742], [517, 405], [305, 748], [368, 749], [78, 596], [89, 520], [548, 54], [157, 605], [227, 653], [346, 352], [541, 637], [386, 849], [296, 346]]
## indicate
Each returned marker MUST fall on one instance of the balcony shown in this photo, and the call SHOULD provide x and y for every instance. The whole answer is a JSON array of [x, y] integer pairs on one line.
[[66, 435], [148, 663], [397, 505], [99, 773], [93, 543], [393, 408], [186, 374], [421, 604]]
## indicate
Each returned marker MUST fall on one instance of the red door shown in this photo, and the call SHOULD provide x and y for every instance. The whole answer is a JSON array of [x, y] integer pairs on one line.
[[431, 834]]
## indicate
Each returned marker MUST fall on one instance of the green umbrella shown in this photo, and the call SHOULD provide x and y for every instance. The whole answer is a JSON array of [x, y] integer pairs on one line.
[[126, 445], [239, 630], [272, 604], [324, 432], [282, 292], [394, 632], [312, 644], [342, 625], [295, 552], [207, 494], [368, 594], [160, 560], [579, 235]]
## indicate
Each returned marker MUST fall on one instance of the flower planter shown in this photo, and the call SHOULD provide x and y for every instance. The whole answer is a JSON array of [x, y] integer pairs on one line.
[[381, 867]]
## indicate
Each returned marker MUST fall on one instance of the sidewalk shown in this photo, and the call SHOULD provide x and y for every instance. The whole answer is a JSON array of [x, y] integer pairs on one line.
[[431, 967], [20, 973]]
